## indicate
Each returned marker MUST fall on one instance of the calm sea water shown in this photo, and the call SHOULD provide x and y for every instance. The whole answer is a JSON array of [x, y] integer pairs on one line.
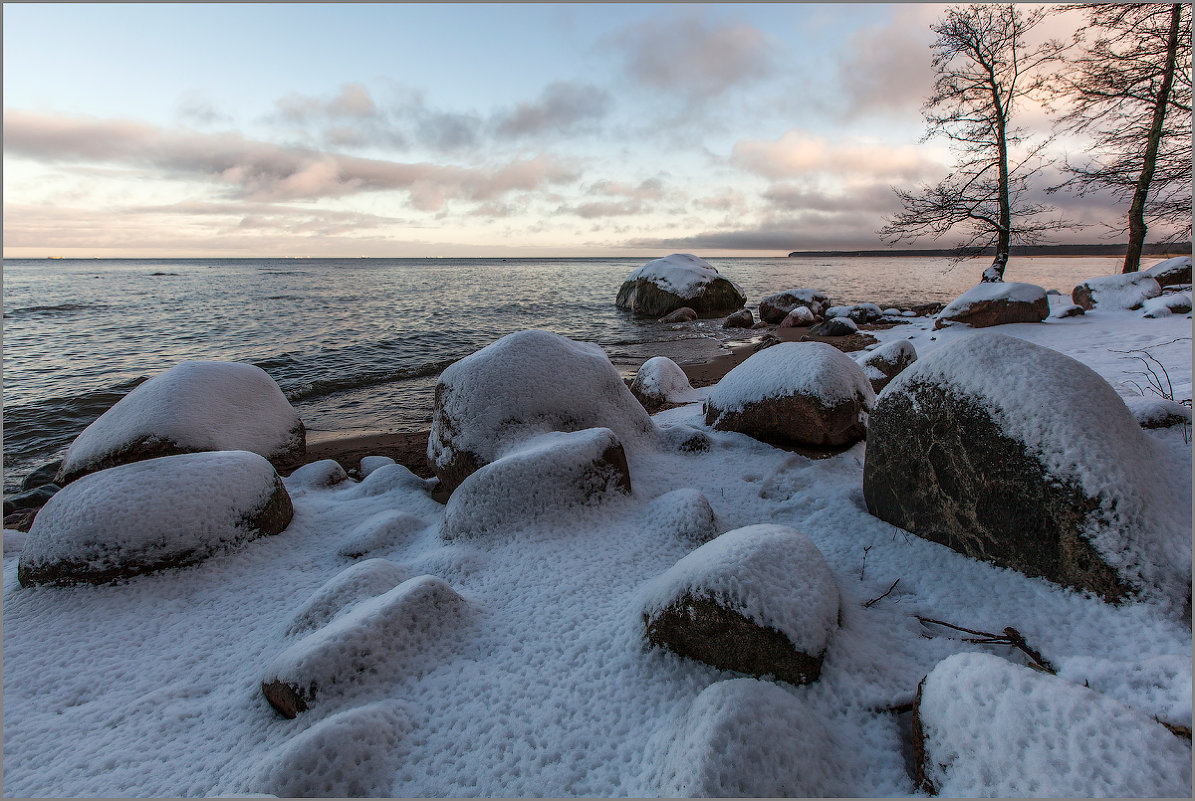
[[356, 344]]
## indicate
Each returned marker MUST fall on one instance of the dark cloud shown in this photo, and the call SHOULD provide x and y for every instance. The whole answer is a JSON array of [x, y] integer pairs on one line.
[[688, 54], [263, 171], [563, 107]]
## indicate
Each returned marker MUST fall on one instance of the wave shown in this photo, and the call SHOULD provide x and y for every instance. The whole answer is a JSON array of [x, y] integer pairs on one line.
[[53, 311], [52, 424], [323, 387]]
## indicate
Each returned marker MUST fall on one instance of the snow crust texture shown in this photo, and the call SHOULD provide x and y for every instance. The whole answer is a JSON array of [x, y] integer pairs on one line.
[[992, 728], [366, 579], [685, 514], [525, 384], [746, 738], [193, 406], [148, 516], [382, 531]]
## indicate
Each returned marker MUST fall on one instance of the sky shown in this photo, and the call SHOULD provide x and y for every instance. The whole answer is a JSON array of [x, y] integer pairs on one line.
[[422, 130]]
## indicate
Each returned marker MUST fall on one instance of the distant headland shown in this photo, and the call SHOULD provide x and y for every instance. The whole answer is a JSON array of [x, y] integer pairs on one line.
[[1016, 250]]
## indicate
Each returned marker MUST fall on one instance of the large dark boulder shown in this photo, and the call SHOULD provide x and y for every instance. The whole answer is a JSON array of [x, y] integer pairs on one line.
[[1012, 453], [676, 281], [996, 303], [774, 308]]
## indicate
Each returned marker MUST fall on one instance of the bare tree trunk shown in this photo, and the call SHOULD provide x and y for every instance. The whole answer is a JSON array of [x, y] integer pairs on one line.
[[995, 273], [1137, 227]]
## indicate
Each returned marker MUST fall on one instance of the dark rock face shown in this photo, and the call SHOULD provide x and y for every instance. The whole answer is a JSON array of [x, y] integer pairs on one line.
[[31, 499], [701, 629], [642, 296], [20, 521], [774, 308], [682, 315], [42, 475], [939, 466], [999, 311], [740, 319], [835, 327]]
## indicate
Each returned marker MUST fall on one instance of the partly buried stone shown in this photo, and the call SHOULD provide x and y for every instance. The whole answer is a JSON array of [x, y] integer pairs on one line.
[[996, 303], [682, 315], [1156, 412], [759, 600], [367, 579], [1171, 271], [1167, 304], [682, 279], [886, 362], [983, 726], [795, 393], [148, 516], [774, 308], [799, 317], [525, 384], [41, 476], [379, 532], [1113, 292], [192, 407], [552, 474], [1064, 310], [740, 319], [352, 754], [324, 474], [746, 738], [659, 382], [835, 327], [1015, 454], [377, 638], [685, 514]]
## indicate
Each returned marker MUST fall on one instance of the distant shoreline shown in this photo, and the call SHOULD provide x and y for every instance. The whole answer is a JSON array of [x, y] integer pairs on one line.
[[1061, 251]]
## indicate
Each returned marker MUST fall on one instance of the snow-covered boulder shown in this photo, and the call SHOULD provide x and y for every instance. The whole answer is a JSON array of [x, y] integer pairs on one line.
[[806, 393], [147, 516], [366, 579], [1171, 271], [835, 327], [1112, 292], [193, 406], [525, 384], [317, 476], [351, 754], [685, 514], [1013, 453], [799, 317], [371, 463], [759, 600], [1064, 310], [1166, 305], [860, 312], [886, 362], [740, 319], [774, 308], [682, 279], [1155, 412], [682, 315], [986, 727], [552, 474], [384, 530], [660, 381], [368, 643], [746, 738], [996, 303]]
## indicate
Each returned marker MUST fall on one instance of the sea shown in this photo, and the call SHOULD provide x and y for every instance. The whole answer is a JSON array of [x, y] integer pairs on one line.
[[357, 344]]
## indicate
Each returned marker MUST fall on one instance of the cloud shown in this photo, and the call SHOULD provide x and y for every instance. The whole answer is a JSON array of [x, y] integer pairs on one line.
[[688, 54], [886, 68], [352, 102], [798, 154], [797, 197], [562, 107], [264, 171], [617, 199], [196, 109]]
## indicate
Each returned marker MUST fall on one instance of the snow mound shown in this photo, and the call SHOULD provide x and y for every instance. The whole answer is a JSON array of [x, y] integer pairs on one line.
[[1079, 430], [549, 475], [380, 635], [996, 303], [992, 728], [1171, 271], [660, 380], [683, 437], [363, 580], [684, 513], [771, 576], [525, 384], [1165, 305], [1159, 685], [147, 516], [1155, 412], [382, 531], [193, 406], [1111, 292], [384, 480], [805, 392], [371, 463], [746, 738], [316, 476], [351, 754]]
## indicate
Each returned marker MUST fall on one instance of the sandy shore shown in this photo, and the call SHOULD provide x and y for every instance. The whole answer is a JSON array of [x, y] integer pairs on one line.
[[410, 448]]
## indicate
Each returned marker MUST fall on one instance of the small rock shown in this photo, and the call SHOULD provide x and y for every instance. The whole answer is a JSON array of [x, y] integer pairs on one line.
[[740, 319], [685, 514], [42, 475], [799, 317], [371, 463], [682, 315], [835, 327], [885, 363], [21, 521], [1153, 412], [1067, 310], [35, 498], [1171, 272], [767, 341], [317, 475], [660, 381]]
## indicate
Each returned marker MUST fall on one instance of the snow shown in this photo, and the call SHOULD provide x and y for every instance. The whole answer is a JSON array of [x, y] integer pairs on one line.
[[1123, 291], [208, 406], [1170, 303], [1153, 411], [683, 513], [380, 532], [362, 580], [793, 368], [662, 379], [682, 274], [184, 508], [371, 463], [997, 729], [772, 575], [316, 475], [153, 687]]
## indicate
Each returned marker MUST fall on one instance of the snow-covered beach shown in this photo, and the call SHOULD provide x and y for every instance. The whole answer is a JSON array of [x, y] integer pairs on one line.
[[527, 670]]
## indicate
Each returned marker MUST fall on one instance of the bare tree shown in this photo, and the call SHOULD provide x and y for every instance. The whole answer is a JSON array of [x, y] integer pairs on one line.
[[985, 69], [1130, 90]]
